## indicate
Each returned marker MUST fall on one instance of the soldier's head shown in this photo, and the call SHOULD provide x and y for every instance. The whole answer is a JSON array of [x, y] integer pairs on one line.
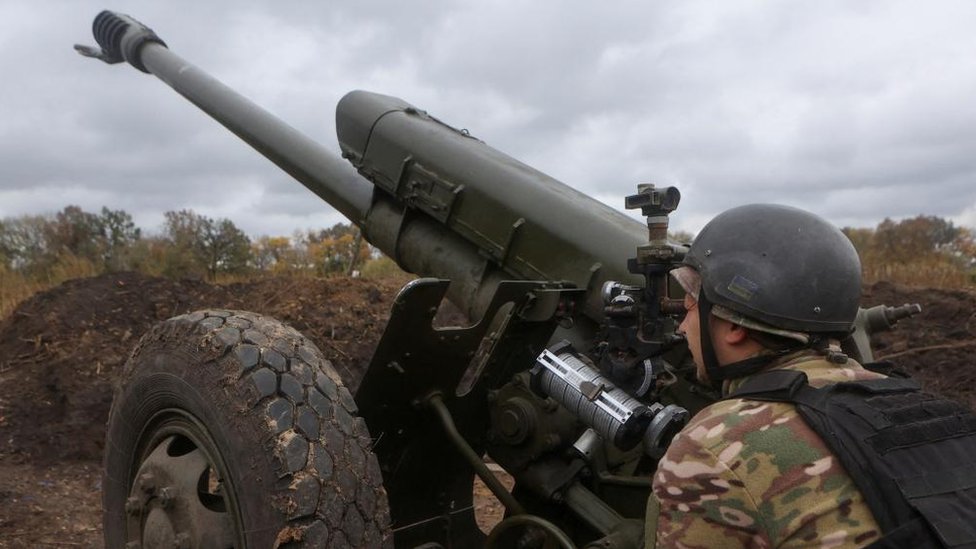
[[766, 277]]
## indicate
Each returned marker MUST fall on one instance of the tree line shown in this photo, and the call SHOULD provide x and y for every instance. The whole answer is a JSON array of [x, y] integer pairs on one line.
[[924, 250], [188, 245]]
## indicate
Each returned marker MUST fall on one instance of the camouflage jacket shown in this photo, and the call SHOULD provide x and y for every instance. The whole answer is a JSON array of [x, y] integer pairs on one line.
[[745, 473]]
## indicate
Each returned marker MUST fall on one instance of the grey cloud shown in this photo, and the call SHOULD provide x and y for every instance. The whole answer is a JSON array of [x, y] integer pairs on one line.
[[858, 111]]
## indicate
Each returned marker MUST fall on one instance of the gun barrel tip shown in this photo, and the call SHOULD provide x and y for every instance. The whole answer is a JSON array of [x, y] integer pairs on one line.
[[87, 51]]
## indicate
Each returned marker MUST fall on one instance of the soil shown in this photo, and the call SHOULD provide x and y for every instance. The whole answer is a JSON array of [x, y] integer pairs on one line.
[[61, 350]]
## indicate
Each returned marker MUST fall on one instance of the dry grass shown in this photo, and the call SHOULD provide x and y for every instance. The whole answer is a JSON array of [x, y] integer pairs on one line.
[[16, 287], [922, 273]]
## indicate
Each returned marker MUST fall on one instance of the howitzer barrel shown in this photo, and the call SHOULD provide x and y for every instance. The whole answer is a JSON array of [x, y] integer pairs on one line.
[[125, 39], [442, 203]]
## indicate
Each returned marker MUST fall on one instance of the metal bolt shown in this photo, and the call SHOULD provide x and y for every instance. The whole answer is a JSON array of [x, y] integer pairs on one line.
[[133, 506], [509, 423], [181, 541], [147, 482], [166, 496], [816, 310]]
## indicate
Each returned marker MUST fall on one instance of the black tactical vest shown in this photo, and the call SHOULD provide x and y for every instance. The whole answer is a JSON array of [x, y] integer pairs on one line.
[[912, 454]]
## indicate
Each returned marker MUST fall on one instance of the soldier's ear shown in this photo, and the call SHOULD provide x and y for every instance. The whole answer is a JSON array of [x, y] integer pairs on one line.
[[733, 334]]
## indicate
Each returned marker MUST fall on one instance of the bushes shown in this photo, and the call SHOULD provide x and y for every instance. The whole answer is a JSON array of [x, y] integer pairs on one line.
[[38, 252], [920, 251]]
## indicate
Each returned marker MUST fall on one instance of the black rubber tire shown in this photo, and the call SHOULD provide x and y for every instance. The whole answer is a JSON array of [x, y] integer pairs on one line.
[[273, 418]]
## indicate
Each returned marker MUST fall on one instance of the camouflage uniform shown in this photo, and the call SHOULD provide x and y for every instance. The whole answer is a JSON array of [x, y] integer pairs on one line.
[[745, 473]]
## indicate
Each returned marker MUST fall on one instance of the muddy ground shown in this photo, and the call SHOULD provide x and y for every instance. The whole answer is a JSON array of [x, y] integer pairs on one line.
[[60, 351]]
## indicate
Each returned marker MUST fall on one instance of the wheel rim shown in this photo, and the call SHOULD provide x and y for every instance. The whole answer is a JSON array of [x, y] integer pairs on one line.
[[181, 495]]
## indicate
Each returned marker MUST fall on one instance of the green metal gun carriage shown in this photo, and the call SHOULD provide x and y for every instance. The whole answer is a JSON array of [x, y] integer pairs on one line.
[[230, 430]]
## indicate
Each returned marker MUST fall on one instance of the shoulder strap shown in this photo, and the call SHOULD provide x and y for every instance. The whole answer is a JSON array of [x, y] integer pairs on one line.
[[774, 385], [885, 367], [812, 404], [909, 453]]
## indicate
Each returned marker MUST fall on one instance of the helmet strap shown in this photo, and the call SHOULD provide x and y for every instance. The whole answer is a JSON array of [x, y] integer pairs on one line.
[[717, 374], [709, 359]]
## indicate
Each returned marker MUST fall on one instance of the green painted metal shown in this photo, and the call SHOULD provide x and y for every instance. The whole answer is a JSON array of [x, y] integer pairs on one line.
[[443, 203]]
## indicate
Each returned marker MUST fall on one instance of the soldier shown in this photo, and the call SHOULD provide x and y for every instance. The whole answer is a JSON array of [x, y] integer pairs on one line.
[[769, 289]]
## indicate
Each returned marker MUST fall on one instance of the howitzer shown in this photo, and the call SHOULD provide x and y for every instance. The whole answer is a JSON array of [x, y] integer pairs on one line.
[[230, 430]]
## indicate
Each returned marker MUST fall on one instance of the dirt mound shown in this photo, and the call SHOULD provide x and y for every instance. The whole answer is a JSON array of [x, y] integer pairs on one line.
[[936, 346], [61, 350]]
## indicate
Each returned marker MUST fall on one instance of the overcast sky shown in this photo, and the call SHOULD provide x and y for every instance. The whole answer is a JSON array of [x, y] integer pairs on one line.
[[855, 110]]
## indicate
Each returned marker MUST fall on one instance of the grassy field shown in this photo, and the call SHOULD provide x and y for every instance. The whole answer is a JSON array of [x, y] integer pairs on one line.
[[15, 287]]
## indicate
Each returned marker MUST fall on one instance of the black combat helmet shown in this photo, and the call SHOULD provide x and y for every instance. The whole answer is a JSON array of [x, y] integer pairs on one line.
[[782, 266]]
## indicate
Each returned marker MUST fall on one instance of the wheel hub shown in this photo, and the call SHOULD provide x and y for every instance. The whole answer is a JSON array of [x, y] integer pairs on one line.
[[158, 531], [176, 499]]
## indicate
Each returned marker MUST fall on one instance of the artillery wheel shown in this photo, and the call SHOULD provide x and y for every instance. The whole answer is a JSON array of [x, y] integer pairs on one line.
[[230, 429]]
